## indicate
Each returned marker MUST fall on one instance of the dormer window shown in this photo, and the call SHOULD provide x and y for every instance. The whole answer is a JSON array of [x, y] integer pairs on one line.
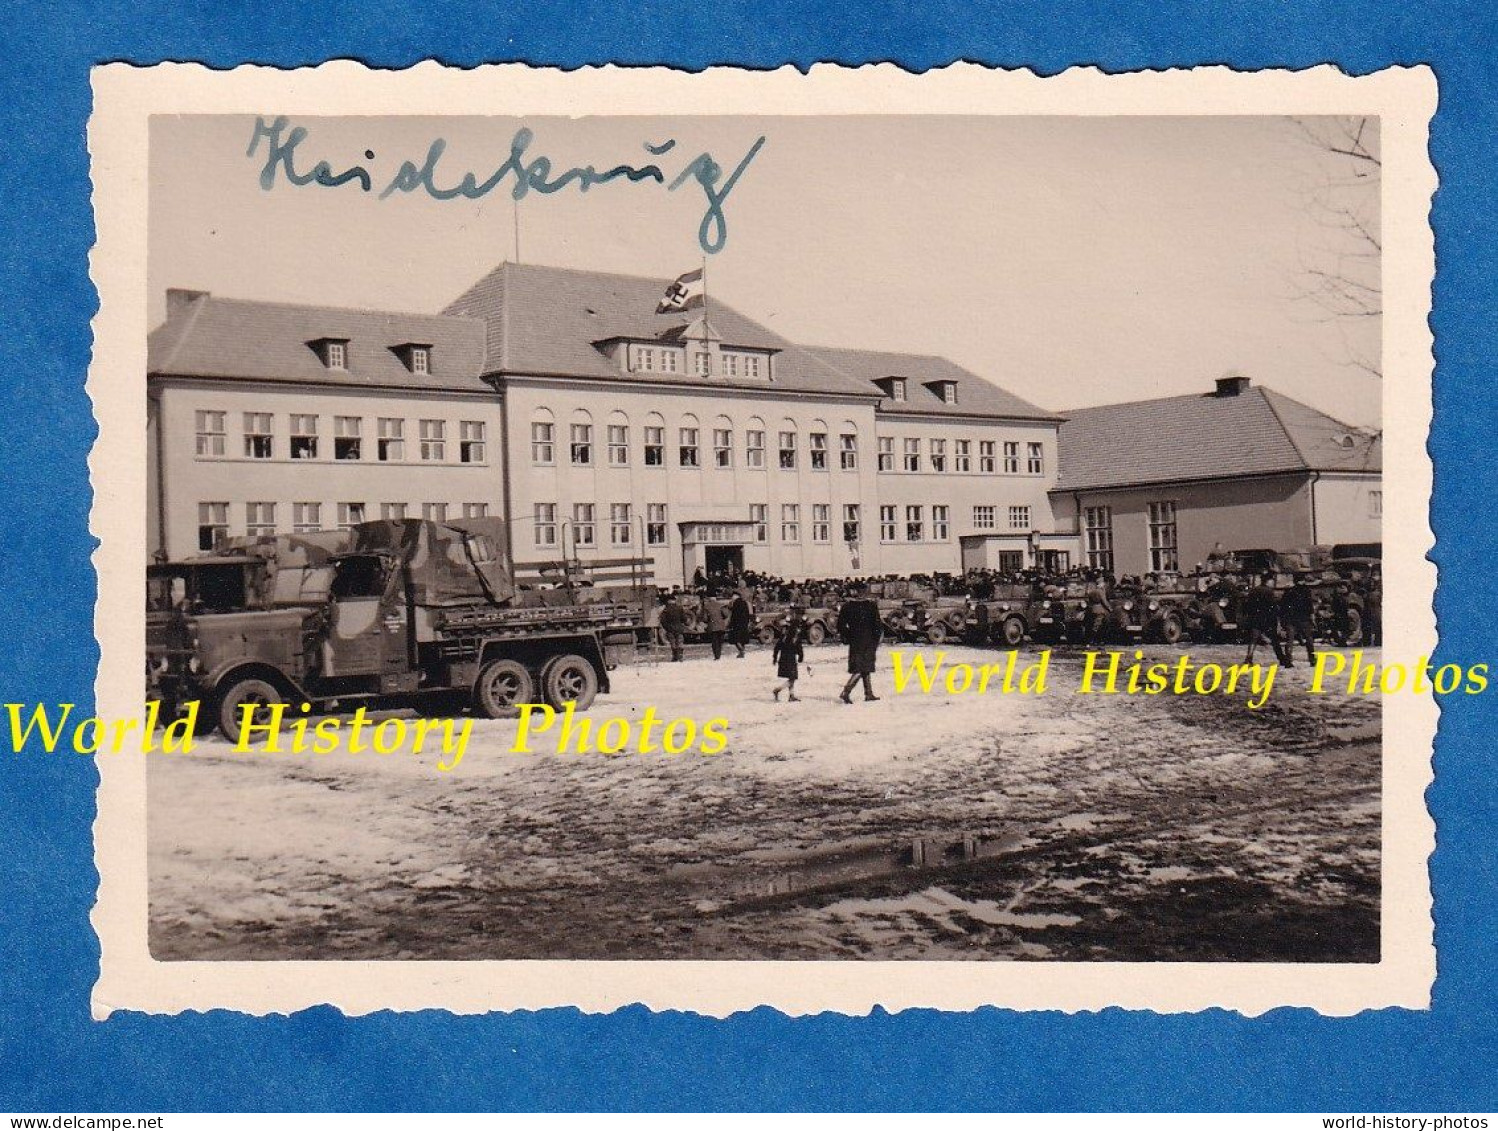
[[415, 356], [332, 351], [894, 387], [946, 390]]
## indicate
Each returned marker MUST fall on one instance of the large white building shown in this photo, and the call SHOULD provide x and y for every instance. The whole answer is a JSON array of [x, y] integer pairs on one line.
[[599, 428]]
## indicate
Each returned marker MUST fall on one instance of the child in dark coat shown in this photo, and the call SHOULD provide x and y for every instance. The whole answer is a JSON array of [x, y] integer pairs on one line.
[[789, 652]]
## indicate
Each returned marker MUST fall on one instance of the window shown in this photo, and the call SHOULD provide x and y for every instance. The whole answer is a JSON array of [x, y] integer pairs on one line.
[[912, 454], [790, 522], [543, 441], [393, 512], [702, 364], [346, 436], [471, 441], [821, 522], [819, 451], [848, 451], [751, 366], [940, 522], [391, 444], [421, 359], [1375, 504], [259, 518], [897, 388], [644, 359], [337, 355], [668, 361], [986, 462], [618, 445], [886, 524], [788, 451], [475, 510], [947, 390], [210, 433], [258, 440], [1163, 536], [754, 448], [582, 525], [1011, 561], [582, 445], [433, 435], [722, 447], [1035, 459], [730, 365], [1097, 524], [303, 436], [983, 518], [350, 514], [434, 512], [962, 456], [886, 453], [655, 446], [1011, 457], [938, 455], [619, 524], [545, 524], [655, 524], [759, 514], [914, 527], [687, 449], [1019, 518], [851, 522], [213, 523]]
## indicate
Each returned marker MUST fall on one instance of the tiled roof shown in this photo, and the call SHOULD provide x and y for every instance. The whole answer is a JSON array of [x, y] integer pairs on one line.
[[1208, 436], [975, 396], [545, 320], [208, 336]]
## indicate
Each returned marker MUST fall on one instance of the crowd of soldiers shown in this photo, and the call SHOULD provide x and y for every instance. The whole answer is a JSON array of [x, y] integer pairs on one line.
[[1257, 598]]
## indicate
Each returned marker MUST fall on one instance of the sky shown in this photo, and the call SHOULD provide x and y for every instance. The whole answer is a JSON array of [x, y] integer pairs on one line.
[[1071, 260]]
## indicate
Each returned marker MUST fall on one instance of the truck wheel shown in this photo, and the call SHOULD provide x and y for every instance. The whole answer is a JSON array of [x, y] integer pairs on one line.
[[501, 688], [816, 632], [257, 693], [569, 679], [937, 632], [1171, 629], [1014, 631], [1354, 633]]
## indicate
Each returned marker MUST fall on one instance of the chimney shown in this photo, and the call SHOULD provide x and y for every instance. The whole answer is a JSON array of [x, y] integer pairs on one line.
[[178, 300], [1232, 383]]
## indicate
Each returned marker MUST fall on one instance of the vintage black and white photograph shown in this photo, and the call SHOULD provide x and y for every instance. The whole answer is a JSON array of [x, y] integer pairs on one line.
[[881, 538]]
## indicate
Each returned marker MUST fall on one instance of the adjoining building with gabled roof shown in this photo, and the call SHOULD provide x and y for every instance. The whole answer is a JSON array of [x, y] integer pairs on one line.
[[1161, 484], [598, 427]]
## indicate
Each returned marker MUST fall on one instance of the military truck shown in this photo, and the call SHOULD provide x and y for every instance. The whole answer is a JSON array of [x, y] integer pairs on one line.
[[416, 613]]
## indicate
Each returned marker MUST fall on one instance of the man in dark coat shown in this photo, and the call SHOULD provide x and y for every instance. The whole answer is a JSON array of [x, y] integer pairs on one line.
[[789, 652], [1373, 614], [740, 622], [715, 613], [1261, 620], [858, 625], [1298, 611], [674, 625]]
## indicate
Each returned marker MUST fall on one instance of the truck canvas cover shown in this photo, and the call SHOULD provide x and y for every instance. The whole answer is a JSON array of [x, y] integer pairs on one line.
[[452, 563]]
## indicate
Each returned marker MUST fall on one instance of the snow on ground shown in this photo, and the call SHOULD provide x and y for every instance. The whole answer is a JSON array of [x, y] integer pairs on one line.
[[974, 826]]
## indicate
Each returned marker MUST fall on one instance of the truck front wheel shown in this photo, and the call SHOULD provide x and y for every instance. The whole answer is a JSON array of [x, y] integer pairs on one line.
[[501, 688], [569, 679], [257, 694]]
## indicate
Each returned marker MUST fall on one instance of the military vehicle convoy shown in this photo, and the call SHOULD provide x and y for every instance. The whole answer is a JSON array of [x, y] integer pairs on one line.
[[406, 612]]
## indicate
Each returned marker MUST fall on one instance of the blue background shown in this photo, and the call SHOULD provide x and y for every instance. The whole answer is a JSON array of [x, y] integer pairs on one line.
[[53, 1057]]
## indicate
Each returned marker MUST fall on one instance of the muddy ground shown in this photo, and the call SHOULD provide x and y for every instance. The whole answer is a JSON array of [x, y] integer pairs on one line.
[[1061, 826]]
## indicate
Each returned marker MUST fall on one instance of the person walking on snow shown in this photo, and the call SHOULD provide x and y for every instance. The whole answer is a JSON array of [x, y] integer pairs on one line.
[[790, 650], [859, 627]]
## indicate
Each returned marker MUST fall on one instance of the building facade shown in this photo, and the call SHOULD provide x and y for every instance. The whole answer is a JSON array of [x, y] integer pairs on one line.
[[596, 426], [1162, 484]]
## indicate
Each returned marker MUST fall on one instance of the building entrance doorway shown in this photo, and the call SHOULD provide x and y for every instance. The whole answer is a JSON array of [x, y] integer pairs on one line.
[[723, 559]]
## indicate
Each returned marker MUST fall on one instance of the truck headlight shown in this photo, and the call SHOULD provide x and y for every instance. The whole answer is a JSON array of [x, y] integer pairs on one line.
[[1128, 605], [1154, 605], [1045, 604]]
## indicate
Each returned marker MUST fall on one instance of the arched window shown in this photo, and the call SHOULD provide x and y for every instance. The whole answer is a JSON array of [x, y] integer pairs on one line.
[[847, 446], [754, 443], [655, 440], [580, 438], [543, 437], [689, 442], [817, 446], [787, 445], [723, 443], [618, 439]]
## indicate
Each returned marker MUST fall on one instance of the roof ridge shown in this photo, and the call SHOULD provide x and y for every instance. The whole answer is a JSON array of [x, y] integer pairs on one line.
[[208, 297], [1285, 428], [886, 353], [1148, 400]]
